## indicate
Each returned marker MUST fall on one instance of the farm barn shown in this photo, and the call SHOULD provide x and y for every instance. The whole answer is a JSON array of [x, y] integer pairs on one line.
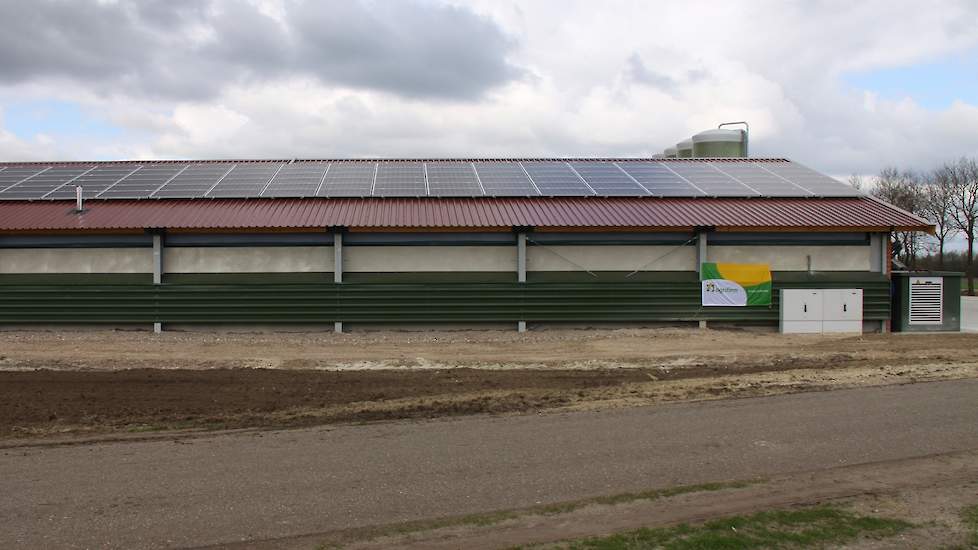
[[450, 242]]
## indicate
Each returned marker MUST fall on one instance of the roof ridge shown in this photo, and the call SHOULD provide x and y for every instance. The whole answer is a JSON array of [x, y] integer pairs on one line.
[[390, 159]]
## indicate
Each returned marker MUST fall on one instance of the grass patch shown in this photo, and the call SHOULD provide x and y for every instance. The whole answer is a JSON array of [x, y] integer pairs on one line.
[[818, 526], [969, 517], [492, 518]]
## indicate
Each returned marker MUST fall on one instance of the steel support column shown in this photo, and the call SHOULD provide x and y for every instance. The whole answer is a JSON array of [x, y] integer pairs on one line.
[[879, 261], [521, 269], [157, 270], [701, 256], [338, 269]]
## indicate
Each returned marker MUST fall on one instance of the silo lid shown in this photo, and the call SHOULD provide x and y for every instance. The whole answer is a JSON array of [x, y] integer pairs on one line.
[[719, 134], [685, 144]]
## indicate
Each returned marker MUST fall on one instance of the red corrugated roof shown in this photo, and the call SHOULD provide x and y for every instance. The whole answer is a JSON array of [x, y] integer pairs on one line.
[[539, 212]]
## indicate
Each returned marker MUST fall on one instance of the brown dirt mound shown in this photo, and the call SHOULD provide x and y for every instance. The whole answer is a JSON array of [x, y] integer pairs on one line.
[[33, 400]]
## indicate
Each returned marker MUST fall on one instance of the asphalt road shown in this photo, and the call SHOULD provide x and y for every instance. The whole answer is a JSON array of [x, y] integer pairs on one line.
[[274, 484]]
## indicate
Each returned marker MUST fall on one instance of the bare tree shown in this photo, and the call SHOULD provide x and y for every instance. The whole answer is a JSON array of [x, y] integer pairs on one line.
[[856, 181], [964, 177], [903, 190], [937, 205]]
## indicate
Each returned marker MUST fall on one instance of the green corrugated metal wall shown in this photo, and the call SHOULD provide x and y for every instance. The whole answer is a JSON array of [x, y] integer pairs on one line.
[[660, 300]]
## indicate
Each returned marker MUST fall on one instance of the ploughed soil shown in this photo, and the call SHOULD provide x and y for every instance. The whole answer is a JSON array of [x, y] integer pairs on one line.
[[248, 397], [133, 382]]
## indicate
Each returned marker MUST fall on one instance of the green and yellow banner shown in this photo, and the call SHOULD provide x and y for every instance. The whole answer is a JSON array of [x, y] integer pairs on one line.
[[735, 284]]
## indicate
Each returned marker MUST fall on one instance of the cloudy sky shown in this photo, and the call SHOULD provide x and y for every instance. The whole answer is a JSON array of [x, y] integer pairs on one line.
[[846, 87]]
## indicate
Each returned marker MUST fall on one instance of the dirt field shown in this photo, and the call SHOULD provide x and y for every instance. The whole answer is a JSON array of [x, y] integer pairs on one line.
[[577, 349], [107, 381]]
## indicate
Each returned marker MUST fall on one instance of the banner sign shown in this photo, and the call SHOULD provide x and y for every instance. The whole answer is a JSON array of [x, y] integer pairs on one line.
[[735, 284]]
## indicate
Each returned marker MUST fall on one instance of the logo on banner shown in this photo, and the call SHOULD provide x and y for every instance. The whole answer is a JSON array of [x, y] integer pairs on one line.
[[735, 284]]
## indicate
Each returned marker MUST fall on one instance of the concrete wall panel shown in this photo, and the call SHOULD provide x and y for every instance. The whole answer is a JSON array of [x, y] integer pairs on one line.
[[394, 259], [76, 260], [611, 258], [794, 258], [251, 259]]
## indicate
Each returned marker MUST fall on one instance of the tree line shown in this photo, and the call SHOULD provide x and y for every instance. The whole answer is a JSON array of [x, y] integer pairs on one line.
[[946, 196]]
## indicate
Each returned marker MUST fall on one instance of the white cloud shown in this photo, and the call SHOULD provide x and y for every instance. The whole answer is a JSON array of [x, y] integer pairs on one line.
[[609, 78]]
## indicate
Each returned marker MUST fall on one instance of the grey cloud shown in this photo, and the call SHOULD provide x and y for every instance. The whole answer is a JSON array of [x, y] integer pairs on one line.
[[637, 71], [424, 49], [153, 48]]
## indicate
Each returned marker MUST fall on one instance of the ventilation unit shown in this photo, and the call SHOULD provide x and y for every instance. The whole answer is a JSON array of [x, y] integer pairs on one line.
[[926, 300]]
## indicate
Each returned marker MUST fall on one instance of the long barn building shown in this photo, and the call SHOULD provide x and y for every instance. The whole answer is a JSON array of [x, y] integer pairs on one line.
[[455, 242]]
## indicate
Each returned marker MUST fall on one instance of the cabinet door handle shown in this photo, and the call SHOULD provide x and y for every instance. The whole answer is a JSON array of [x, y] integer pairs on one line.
[[804, 308], [844, 307]]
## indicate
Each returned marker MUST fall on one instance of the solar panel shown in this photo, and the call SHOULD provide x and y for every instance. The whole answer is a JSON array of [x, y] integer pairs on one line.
[[447, 179], [760, 180], [504, 179], [659, 179], [193, 182], [415, 178], [607, 179], [92, 183], [710, 180], [802, 176], [555, 179], [43, 183], [12, 176], [246, 180], [349, 179], [141, 183], [400, 179], [299, 179]]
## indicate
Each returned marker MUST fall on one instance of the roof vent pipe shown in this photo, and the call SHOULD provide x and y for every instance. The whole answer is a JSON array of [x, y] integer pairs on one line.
[[79, 204], [746, 134]]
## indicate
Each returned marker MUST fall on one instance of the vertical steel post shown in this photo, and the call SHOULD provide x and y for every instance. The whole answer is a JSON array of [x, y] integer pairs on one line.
[[701, 253], [157, 270], [337, 269], [521, 270], [877, 252], [878, 259], [521, 257], [337, 257], [701, 256]]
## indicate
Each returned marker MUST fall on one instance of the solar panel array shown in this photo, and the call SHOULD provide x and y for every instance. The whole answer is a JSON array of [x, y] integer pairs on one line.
[[349, 179], [299, 179], [416, 178], [143, 182], [554, 178], [660, 180], [398, 179], [196, 181], [245, 180], [92, 182], [607, 178], [501, 179], [457, 179]]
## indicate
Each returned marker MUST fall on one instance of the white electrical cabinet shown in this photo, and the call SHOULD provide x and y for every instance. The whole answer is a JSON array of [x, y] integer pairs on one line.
[[815, 311], [842, 310], [801, 311]]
